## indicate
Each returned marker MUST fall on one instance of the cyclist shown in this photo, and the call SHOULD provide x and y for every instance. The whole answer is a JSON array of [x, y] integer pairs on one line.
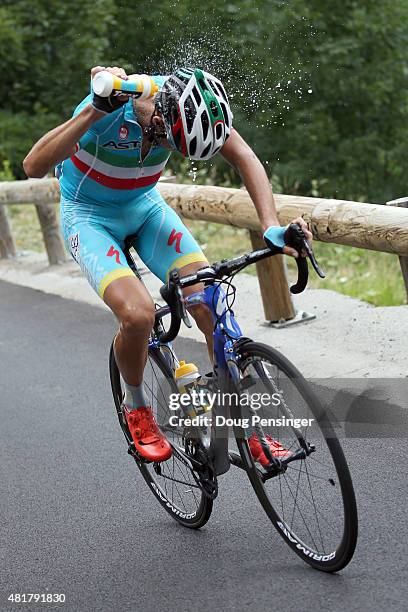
[[108, 158]]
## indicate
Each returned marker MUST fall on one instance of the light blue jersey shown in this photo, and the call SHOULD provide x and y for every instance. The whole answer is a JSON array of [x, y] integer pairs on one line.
[[107, 166], [108, 193]]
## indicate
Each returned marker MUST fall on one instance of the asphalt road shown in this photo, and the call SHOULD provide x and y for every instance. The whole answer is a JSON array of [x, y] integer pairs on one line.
[[77, 518]]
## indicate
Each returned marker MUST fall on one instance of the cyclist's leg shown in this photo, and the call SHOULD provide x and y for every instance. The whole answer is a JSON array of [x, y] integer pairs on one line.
[[100, 256], [98, 251], [164, 243], [132, 305]]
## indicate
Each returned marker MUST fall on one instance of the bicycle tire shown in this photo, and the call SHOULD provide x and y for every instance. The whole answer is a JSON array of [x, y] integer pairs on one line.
[[192, 520], [339, 558]]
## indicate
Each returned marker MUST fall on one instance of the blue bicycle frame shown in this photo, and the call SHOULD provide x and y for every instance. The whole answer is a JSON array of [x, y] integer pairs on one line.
[[226, 328], [226, 333]]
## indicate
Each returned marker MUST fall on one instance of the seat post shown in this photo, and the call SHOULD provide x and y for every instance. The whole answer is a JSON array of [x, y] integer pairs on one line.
[[130, 261]]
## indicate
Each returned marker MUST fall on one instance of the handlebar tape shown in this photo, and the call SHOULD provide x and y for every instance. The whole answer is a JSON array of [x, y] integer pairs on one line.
[[175, 322], [303, 276], [295, 238]]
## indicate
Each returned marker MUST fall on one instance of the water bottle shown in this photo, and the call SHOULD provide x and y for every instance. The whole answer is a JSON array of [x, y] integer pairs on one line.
[[140, 86], [188, 379]]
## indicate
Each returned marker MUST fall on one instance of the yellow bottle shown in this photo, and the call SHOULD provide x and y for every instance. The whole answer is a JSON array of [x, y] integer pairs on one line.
[[187, 377]]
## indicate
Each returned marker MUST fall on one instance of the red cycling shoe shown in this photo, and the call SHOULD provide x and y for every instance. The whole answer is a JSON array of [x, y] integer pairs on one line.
[[275, 447], [150, 442]]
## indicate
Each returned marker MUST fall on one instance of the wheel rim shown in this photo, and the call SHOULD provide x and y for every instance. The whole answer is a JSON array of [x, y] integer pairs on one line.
[[307, 498], [172, 481]]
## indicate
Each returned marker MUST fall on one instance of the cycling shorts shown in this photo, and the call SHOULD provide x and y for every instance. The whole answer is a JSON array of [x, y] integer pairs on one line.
[[94, 234]]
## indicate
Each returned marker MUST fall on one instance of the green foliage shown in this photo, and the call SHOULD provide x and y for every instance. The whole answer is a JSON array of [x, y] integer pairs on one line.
[[18, 132], [55, 43], [352, 131], [317, 88], [5, 172]]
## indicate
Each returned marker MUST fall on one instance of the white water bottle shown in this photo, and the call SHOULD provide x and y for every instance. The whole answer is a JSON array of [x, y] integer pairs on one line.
[[140, 86]]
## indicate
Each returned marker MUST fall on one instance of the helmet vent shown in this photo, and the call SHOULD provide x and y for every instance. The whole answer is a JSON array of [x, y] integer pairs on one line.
[[214, 86], [224, 112], [196, 95], [222, 90], [205, 124], [218, 130], [206, 151], [193, 146], [173, 85], [203, 84], [190, 113]]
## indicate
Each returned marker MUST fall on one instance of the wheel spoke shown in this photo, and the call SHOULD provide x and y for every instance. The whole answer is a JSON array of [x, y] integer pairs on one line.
[[174, 478], [307, 496]]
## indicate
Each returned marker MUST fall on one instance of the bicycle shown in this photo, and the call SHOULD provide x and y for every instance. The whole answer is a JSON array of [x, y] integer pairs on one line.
[[319, 523]]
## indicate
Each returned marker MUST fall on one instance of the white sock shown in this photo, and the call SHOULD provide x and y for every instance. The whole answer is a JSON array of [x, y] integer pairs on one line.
[[134, 396]]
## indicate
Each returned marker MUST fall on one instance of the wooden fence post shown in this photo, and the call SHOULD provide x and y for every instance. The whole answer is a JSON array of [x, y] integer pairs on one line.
[[402, 203], [7, 246], [51, 233], [276, 298]]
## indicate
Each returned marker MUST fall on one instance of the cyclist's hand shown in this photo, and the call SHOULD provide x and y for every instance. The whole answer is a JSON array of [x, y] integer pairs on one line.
[[309, 236], [112, 103], [274, 237]]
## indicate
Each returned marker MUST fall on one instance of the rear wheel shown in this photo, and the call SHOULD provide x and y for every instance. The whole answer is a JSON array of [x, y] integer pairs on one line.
[[310, 500], [172, 482]]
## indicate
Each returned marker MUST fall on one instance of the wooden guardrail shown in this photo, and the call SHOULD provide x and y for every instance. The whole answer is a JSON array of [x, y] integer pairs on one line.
[[368, 226]]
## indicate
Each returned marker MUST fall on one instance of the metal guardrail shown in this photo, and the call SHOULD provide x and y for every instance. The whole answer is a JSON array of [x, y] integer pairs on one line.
[[358, 224]]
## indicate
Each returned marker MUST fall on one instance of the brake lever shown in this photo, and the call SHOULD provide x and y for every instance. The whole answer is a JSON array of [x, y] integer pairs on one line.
[[306, 246], [295, 237], [181, 307]]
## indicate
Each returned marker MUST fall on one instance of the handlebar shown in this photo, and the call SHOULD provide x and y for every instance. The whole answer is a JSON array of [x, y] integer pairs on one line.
[[172, 291], [173, 296], [295, 238]]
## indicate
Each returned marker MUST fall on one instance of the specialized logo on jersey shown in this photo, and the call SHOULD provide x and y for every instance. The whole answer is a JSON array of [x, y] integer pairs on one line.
[[114, 253], [123, 132], [74, 245], [175, 237]]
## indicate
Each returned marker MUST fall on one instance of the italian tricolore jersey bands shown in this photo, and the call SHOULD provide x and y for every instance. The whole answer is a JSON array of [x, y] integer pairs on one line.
[[108, 193], [107, 166]]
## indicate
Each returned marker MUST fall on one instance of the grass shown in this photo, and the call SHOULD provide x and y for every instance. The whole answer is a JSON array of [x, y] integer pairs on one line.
[[26, 228], [368, 275]]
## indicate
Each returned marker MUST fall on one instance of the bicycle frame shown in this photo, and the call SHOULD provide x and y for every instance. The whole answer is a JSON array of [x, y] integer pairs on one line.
[[226, 328], [226, 333]]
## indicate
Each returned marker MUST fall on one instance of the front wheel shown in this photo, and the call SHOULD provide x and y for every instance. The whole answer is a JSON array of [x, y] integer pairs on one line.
[[172, 482], [310, 499]]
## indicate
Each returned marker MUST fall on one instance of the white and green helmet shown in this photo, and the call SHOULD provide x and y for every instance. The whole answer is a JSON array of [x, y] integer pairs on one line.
[[196, 113]]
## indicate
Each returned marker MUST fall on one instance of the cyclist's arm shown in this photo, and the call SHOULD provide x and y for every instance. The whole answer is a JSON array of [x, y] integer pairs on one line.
[[241, 157], [59, 143]]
